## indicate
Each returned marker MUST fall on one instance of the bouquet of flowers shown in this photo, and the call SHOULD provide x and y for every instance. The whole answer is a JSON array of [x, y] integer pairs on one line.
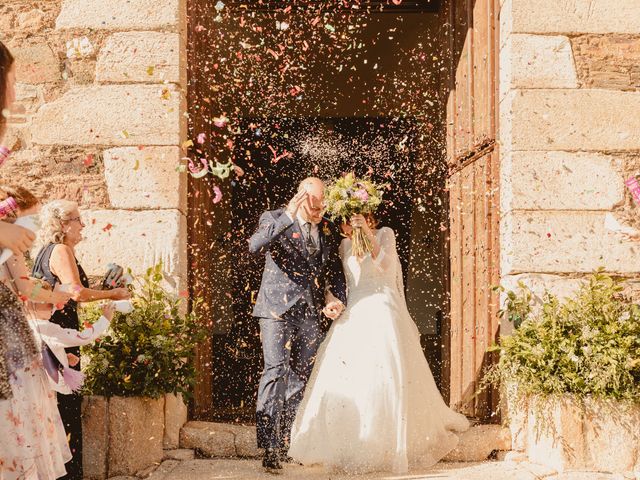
[[349, 196]]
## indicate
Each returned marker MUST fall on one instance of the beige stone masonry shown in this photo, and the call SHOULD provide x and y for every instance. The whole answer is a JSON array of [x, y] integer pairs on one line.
[[37, 62], [175, 416], [608, 61], [118, 14], [95, 436], [538, 283], [573, 16], [144, 178], [574, 120], [139, 57], [135, 434], [549, 242], [133, 239], [111, 115], [29, 98], [537, 61], [565, 181]]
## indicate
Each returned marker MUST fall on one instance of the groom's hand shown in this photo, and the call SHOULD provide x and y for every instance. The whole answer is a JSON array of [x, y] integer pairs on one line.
[[296, 202]]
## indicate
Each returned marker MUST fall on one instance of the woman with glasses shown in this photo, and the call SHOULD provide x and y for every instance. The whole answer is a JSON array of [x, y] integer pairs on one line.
[[60, 232]]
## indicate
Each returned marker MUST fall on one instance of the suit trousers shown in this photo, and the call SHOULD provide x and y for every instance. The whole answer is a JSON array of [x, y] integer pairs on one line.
[[289, 345]]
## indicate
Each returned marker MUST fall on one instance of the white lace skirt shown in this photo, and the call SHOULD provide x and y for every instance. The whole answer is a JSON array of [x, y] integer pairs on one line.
[[372, 403], [33, 443]]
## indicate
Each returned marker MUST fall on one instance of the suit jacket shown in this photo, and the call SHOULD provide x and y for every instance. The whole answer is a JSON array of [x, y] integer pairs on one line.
[[290, 273]]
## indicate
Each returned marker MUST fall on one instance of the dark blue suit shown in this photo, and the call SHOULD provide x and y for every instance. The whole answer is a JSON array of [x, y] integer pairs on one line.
[[292, 326]]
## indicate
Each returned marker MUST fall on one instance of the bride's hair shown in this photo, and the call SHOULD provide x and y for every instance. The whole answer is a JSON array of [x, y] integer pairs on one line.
[[372, 220]]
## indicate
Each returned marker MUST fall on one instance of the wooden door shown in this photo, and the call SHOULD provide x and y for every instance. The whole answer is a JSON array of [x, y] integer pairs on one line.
[[472, 157]]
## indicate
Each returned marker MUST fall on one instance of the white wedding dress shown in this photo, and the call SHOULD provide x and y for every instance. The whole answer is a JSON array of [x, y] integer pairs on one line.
[[371, 403]]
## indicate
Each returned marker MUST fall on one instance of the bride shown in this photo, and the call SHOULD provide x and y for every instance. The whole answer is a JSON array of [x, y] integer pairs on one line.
[[372, 403]]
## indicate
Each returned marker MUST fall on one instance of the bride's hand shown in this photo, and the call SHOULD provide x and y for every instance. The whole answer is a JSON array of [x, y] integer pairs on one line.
[[358, 221], [333, 309]]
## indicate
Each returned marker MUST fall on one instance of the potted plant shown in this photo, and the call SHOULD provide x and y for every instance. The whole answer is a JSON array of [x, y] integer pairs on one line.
[[136, 376], [571, 376]]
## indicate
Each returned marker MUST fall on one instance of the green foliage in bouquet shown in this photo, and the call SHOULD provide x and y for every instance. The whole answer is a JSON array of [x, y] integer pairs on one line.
[[587, 346], [148, 352], [349, 196]]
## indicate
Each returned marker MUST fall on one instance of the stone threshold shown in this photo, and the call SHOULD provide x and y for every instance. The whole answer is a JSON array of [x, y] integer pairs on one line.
[[220, 440]]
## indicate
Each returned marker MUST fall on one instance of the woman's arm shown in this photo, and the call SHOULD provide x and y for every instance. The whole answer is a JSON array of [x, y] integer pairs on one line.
[[28, 287], [70, 337], [63, 265]]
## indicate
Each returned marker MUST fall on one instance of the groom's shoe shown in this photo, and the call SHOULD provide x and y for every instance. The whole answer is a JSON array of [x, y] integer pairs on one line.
[[285, 458], [271, 460]]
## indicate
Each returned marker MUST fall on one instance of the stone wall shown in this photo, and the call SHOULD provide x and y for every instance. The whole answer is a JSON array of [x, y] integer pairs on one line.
[[102, 124], [569, 97]]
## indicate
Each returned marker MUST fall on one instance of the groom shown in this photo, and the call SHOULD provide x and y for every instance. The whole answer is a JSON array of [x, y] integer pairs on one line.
[[302, 280]]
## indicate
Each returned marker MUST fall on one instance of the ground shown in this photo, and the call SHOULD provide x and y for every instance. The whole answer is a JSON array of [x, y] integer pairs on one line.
[[219, 469]]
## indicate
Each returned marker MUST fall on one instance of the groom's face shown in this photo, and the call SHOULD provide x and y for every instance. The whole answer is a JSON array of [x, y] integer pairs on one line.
[[313, 208]]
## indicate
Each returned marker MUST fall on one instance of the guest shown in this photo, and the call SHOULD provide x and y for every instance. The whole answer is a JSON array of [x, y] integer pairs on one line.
[[16, 238], [60, 232], [34, 443]]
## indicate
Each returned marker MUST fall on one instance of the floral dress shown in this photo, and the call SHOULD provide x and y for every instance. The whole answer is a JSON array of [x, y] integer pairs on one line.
[[33, 443]]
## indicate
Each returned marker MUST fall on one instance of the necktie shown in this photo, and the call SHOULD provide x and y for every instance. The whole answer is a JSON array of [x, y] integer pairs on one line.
[[312, 247]]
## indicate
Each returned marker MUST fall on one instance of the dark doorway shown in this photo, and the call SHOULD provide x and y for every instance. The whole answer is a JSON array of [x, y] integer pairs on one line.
[[368, 99]]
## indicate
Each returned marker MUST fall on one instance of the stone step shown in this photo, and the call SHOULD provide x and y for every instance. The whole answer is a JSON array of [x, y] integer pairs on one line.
[[221, 440], [480, 441]]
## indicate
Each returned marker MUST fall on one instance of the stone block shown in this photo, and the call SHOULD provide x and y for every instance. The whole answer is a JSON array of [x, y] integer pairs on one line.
[[118, 14], [28, 99], [32, 20], [135, 434], [37, 63], [565, 181], [539, 61], [516, 415], [136, 240], [54, 172], [146, 472], [612, 435], [575, 120], [558, 443], [246, 442], [210, 439], [163, 470], [175, 416], [538, 283], [139, 57], [111, 115], [608, 61], [574, 16], [477, 443], [563, 242], [144, 177], [95, 436], [181, 454], [599, 436]]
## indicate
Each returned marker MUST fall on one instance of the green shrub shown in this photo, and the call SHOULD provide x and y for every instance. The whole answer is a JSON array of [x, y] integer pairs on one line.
[[148, 352], [587, 346]]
